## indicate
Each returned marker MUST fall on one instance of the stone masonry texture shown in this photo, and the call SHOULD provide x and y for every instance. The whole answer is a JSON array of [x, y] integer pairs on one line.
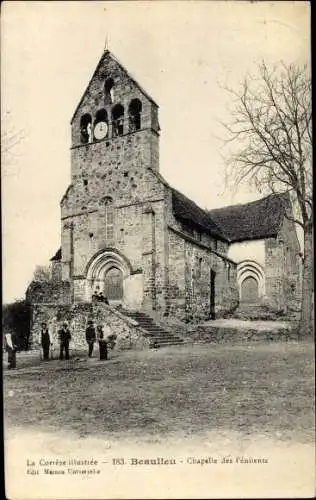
[[117, 213]]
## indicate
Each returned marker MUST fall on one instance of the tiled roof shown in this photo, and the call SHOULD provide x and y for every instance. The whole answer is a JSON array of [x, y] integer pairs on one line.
[[189, 212], [251, 221]]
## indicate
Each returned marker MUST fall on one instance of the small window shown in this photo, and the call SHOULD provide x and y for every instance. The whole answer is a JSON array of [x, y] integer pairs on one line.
[[109, 91], [109, 219], [134, 115], [228, 271], [200, 267], [118, 120], [86, 128], [101, 116]]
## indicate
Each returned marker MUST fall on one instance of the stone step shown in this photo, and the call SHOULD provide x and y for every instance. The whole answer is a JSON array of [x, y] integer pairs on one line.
[[165, 339], [162, 337], [165, 344], [157, 335]]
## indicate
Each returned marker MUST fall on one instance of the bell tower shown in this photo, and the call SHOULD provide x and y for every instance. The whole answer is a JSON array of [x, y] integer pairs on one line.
[[114, 151], [114, 116]]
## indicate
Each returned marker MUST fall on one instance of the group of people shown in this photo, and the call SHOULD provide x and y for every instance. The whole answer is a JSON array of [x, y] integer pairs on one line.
[[101, 334], [93, 335], [99, 297], [64, 337]]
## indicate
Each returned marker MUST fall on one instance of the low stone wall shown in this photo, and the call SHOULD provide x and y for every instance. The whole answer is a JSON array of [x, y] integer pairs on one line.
[[49, 292], [129, 335], [192, 333], [218, 335]]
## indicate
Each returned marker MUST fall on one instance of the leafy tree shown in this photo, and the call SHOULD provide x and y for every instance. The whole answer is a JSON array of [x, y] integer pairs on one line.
[[270, 141]]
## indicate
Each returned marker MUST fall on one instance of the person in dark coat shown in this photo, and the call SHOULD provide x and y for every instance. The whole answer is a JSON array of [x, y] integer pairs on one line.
[[45, 341], [90, 337], [64, 337], [100, 297], [11, 348], [103, 345]]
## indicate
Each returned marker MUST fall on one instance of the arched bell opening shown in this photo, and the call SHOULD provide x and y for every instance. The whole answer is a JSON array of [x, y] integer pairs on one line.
[[134, 115], [118, 120]]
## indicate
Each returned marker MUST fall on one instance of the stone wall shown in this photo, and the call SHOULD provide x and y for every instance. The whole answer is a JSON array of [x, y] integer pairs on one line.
[[129, 336], [221, 335], [56, 270], [49, 292], [283, 268], [190, 264], [116, 170], [124, 90]]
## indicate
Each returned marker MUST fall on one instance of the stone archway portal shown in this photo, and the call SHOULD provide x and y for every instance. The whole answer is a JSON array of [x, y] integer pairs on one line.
[[107, 271]]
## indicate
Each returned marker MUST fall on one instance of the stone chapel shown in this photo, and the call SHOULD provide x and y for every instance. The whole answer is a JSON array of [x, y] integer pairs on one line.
[[124, 230]]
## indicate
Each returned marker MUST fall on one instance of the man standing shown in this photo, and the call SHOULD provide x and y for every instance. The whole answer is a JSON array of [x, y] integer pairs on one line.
[[90, 337], [64, 337], [45, 341], [103, 346], [11, 349]]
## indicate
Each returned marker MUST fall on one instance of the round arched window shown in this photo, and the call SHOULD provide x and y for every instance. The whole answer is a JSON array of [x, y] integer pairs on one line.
[[118, 120], [134, 115], [86, 128]]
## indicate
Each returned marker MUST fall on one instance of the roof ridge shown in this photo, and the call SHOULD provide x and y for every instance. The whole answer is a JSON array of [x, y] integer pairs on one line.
[[235, 205], [254, 220]]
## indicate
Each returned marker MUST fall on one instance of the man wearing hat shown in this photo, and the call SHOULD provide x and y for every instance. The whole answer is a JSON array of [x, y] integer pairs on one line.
[[90, 337], [45, 341], [64, 337]]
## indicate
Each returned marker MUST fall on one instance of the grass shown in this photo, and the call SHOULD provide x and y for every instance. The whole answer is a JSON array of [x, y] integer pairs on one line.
[[255, 389]]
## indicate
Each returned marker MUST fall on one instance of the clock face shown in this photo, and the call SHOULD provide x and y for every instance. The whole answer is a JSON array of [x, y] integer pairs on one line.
[[100, 130]]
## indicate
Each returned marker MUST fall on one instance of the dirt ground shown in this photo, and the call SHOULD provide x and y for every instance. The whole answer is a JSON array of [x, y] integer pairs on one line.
[[265, 389], [217, 399]]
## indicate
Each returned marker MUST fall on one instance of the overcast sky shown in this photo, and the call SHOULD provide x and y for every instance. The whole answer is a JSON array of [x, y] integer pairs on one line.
[[182, 53]]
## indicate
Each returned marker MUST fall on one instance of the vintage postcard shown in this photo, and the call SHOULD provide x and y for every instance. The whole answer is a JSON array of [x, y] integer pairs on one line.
[[158, 325]]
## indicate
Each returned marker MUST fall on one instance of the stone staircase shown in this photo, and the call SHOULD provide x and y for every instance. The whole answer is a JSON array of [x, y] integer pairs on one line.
[[158, 336]]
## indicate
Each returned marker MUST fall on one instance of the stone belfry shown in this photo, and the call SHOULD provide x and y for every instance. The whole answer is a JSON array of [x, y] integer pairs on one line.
[[114, 152]]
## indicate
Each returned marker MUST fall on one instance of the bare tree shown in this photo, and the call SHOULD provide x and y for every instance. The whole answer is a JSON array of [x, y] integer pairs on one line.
[[270, 146]]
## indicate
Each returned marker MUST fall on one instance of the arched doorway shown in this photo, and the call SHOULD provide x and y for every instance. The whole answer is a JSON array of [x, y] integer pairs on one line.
[[254, 289], [113, 284], [108, 271], [249, 290]]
